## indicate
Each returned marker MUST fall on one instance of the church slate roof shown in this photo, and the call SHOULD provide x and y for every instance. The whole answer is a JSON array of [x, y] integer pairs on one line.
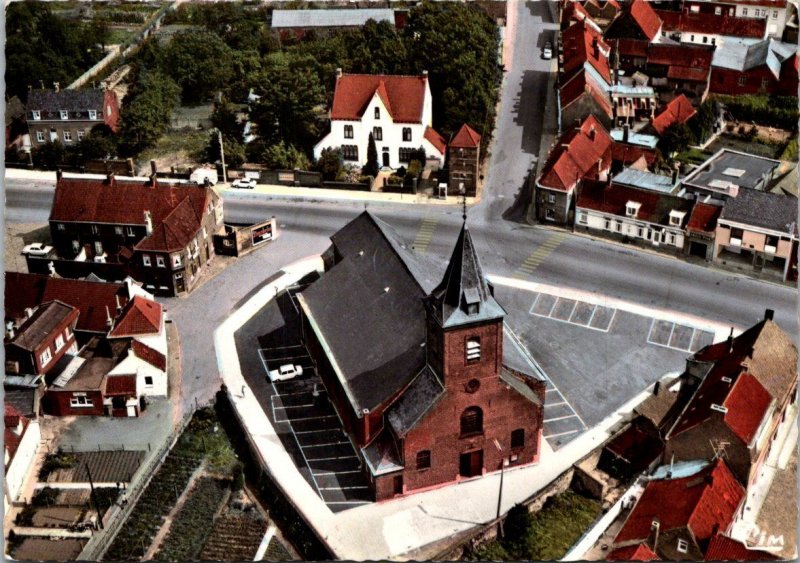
[[417, 400]]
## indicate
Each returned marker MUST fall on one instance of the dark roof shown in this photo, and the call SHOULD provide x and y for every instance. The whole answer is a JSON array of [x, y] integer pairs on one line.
[[703, 218], [654, 207], [762, 209], [41, 324], [464, 296], [636, 446], [90, 298], [636, 552], [656, 407], [24, 400], [713, 24], [381, 455], [368, 312], [70, 100], [741, 169], [15, 109], [415, 402]]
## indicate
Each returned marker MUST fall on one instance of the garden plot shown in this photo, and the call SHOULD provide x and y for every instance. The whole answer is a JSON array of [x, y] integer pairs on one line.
[[45, 549], [105, 467]]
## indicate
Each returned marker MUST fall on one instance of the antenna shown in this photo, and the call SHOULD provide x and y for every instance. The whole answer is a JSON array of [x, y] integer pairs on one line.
[[718, 447], [462, 192]]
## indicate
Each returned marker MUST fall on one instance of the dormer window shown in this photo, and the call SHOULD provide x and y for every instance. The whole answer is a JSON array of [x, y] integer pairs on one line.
[[632, 208], [377, 112], [37, 115], [92, 114], [64, 114], [683, 546], [676, 218], [473, 350]]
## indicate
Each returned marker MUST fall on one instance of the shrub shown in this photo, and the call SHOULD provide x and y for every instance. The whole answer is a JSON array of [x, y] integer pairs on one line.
[[45, 497], [490, 551], [790, 152], [772, 111], [367, 179]]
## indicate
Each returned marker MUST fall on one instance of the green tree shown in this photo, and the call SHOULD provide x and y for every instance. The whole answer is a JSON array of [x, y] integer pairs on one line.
[[100, 143], [234, 151], [701, 125], [329, 164], [292, 104], [224, 117], [199, 62], [49, 155], [371, 168], [147, 110], [516, 529], [281, 156], [676, 138], [376, 48]]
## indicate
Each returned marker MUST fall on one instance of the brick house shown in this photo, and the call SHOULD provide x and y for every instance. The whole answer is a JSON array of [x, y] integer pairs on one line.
[[741, 397], [680, 69], [157, 231], [706, 28], [776, 13], [602, 12], [675, 518], [397, 110], [758, 230], [701, 230], [638, 20], [67, 115], [679, 110], [414, 368], [464, 161], [765, 67], [40, 341]]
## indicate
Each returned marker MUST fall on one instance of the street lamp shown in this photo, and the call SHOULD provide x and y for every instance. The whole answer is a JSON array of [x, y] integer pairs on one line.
[[222, 156], [500, 491]]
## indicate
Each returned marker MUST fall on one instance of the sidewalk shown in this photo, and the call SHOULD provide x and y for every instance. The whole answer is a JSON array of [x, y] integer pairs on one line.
[[390, 529]]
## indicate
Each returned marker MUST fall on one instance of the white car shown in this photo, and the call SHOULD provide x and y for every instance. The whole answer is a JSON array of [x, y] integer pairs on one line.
[[37, 249], [244, 183], [547, 52], [286, 371]]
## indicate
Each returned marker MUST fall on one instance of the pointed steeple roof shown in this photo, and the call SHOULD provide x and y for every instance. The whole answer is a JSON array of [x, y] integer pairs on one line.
[[464, 296]]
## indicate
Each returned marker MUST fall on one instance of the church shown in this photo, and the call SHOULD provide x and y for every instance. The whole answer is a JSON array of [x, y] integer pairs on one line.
[[414, 363]]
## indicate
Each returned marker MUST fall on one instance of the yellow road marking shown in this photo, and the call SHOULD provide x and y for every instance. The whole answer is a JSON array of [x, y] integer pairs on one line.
[[539, 255], [425, 234]]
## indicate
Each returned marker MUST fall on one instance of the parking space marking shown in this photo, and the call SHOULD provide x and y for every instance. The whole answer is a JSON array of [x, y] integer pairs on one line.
[[658, 329], [317, 430], [336, 472], [547, 437], [559, 418], [328, 444], [331, 458], [349, 502], [308, 418], [425, 234], [359, 488], [571, 317], [555, 404]]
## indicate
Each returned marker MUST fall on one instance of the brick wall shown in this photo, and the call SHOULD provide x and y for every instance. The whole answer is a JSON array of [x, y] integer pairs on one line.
[[57, 403]]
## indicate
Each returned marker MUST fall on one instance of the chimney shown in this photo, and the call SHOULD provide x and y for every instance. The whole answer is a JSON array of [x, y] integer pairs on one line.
[[153, 168], [656, 388], [59, 174], [56, 86], [591, 134], [625, 132], [28, 312], [109, 320], [338, 73], [769, 314], [425, 74], [148, 221], [730, 341], [674, 175], [110, 178], [10, 330], [595, 48], [652, 538], [119, 307]]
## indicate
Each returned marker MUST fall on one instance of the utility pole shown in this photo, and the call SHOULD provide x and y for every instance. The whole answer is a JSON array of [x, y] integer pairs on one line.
[[94, 496], [222, 157], [500, 492]]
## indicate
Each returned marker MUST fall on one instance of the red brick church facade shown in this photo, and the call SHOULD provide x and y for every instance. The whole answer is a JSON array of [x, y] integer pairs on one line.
[[415, 370]]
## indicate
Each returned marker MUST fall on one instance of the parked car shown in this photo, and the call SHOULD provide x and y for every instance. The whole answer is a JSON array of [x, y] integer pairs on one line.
[[244, 183], [286, 371], [547, 52], [37, 249]]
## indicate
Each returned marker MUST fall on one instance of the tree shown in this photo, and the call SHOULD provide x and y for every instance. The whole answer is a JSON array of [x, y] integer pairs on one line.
[[49, 155], [234, 151], [701, 125], [676, 138], [329, 164], [376, 48], [100, 143], [199, 62], [371, 168], [224, 117], [516, 529], [285, 157], [147, 110]]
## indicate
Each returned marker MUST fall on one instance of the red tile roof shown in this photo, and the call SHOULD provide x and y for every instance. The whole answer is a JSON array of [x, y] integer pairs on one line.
[[120, 385], [688, 73], [176, 230], [152, 357], [576, 155], [646, 17], [636, 552], [702, 502], [140, 316], [403, 96], [581, 83], [723, 548], [579, 42], [679, 110], [11, 415], [574, 12], [122, 202], [466, 138], [703, 218], [654, 206], [713, 24], [90, 298], [747, 404], [692, 56], [626, 154], [11, 439], [632, 47], [435, 139]]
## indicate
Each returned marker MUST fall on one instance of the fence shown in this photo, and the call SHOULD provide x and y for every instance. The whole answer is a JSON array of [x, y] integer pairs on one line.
[[104, 62], [114, 519]]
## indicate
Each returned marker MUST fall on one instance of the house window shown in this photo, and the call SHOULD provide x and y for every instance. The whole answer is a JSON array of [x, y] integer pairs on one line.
[[377, 132], [176, 260], [59, 342], [518, 438], [764, 82], [718, 11], [608, 225], [640, 232], [683, 546], [471, 421], [92, 114], [377, 112], [551, 198], [705, 39], [60, 226], [80, 134], [130, 231], [619, 226], [473, 350], [692, 38], [736, 235], [146, 260], [45, 357], [348, 131], [550, 214], [775, 14], [713, 40], [407, 134], [671, 238], [630, 211], [37, 115], [583, 218], [423, 459], [64, 114], [744, 11], [98, 247], [350, 152], [404, 155], [40, 136], [742, 80], [148, 381], [95, 229], [118, 230], [80, 402], [160, 262]]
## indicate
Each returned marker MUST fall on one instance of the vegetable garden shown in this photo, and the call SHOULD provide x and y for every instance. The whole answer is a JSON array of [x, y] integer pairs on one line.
[[236, 537]]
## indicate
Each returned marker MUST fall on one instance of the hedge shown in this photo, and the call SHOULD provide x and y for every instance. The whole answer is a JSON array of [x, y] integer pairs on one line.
[[772, 111]]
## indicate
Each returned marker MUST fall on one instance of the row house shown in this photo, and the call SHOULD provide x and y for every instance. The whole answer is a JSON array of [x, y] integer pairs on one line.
[[764, 67], [758, 232], [678, 111], [67, 115], [775, 13], [417, 372], [42, 339], [724, 174], [647, 216], [464, 161], [21, 438], [704, 28], [739, 398], [680, 69], [602, 12], [396, 110], [637, 20], [158, 231]]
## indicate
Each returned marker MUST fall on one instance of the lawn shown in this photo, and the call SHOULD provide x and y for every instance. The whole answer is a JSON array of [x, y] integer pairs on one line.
[[756, 146], [176, 148], [119, 35]]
